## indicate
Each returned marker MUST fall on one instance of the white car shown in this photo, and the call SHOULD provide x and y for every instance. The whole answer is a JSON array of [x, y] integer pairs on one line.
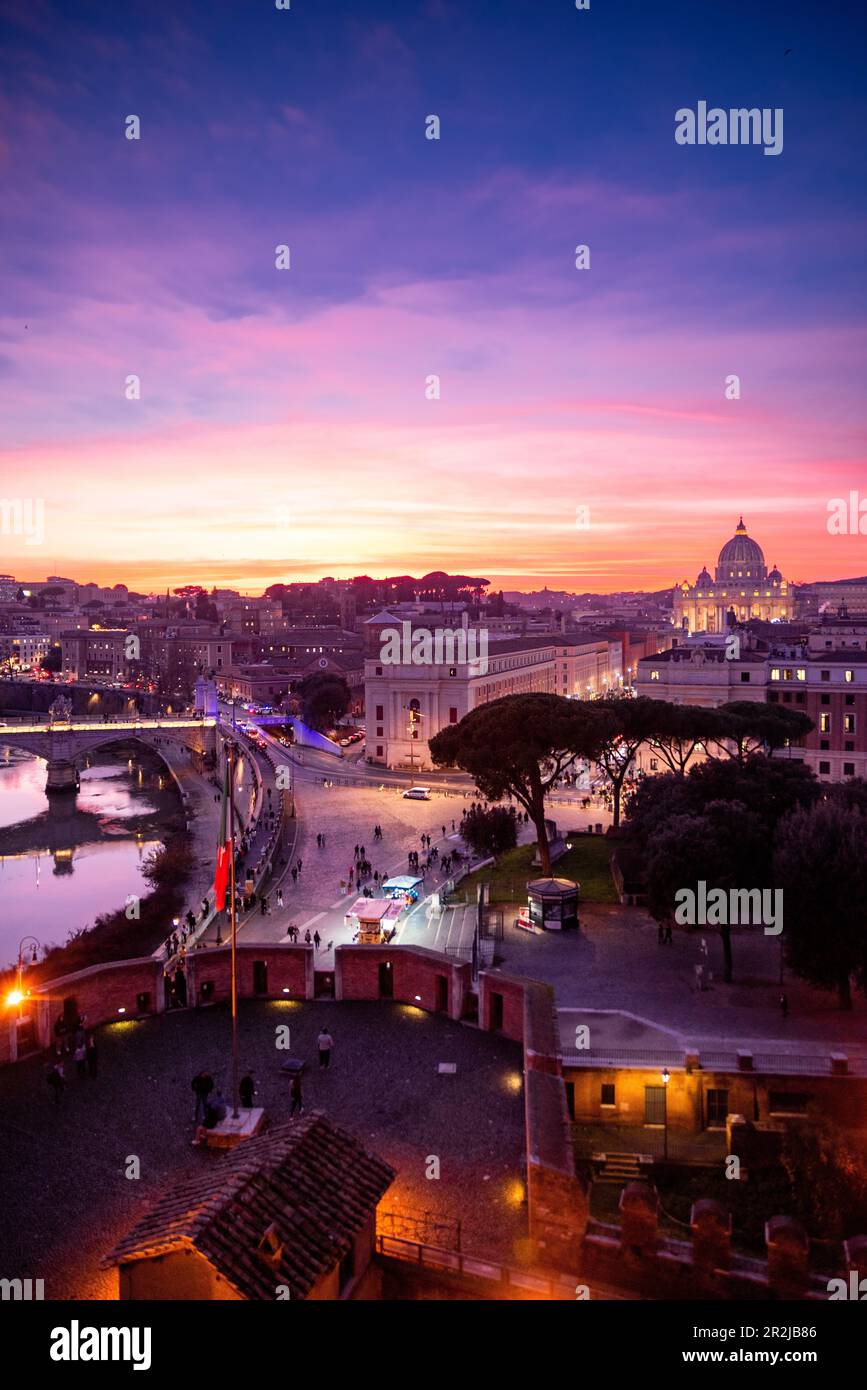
[[417, 794]]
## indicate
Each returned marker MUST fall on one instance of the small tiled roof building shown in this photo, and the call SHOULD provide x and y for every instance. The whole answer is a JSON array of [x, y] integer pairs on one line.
[[289, 1214]]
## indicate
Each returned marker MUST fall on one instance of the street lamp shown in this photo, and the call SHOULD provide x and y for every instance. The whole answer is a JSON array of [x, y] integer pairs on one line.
[[17, 994], [666, 1077]]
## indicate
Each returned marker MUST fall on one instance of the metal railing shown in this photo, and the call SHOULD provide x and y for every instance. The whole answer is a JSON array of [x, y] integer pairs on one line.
[[472, 1266]]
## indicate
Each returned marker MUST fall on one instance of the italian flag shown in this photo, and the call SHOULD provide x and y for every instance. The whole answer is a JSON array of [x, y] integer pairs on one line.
[[224, 851]]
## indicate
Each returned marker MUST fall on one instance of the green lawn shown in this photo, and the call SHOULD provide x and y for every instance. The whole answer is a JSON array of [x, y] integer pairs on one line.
[[587, 862]]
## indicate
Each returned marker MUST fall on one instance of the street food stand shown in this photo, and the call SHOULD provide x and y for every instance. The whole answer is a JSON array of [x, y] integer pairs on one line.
[[372, 918], [405, 887]]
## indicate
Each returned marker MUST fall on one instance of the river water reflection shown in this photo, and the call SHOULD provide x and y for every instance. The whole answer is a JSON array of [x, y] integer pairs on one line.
[[65, 861]]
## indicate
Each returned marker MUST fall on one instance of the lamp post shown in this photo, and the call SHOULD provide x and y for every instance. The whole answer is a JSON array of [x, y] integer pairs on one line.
[[17, 995], [666, 1077]]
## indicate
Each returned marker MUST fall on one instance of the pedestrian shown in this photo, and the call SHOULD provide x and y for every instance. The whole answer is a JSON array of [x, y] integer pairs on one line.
[[319, 840], [247, 1090], [324, 1042], [444, 832], [316, 939], [307, 937], [191, 918], [294, 875], [263, 903], [92, 1055], [784, 1005], [279, 897], [299, 866], [453, 825], [355, 851], [54, 1077], [376, 877], [295, 1093], [202, 1084]]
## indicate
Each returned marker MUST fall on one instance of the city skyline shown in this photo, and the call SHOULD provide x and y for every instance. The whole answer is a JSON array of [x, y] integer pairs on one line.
[[283, 414]]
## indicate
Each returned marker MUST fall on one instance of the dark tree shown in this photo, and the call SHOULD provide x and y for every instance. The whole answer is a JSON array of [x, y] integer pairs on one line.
[[726, 847], [325, 698], [628, 724], [520, 745], [820, 862], [828, 1175], [490, 832], [770, 787], [52, 660], [680, 730], [750, 726]]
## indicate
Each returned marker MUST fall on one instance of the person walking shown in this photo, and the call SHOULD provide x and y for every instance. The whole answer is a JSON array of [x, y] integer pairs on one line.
[[316, 940], [307, 937], [279, 897], [295, 1094], [247, 1090], [202, 1084], [299, 868], [324, 1042], [294, 875], [263, 903], [55, 1079]]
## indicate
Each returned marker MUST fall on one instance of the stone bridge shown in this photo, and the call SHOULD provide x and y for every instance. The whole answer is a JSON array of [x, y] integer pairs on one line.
[[62, 743]]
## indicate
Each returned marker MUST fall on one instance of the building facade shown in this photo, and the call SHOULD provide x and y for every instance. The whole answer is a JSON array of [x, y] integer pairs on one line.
[[822, 674], [406, 703]]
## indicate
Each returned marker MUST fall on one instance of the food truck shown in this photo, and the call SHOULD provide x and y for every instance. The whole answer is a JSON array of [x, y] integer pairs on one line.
[[374, 919]]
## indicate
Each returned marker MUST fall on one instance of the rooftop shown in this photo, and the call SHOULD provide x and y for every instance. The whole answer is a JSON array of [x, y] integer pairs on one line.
[[308, 1186]]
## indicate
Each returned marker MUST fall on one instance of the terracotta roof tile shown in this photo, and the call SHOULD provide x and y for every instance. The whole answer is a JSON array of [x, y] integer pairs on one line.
[[313, 1184]]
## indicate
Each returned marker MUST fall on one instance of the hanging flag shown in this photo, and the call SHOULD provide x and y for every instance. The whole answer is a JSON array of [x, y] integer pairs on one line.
[[224, 851]]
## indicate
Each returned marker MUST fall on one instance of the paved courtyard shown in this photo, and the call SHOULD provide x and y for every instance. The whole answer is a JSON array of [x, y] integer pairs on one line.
[[66, 1196]]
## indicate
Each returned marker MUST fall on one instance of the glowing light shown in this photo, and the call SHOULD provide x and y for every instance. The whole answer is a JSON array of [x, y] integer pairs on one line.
[[14, 997], [121, 1011], [514, 1081]]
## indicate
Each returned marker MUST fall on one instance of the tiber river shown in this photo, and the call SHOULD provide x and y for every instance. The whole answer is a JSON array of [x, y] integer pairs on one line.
[[65, 862]]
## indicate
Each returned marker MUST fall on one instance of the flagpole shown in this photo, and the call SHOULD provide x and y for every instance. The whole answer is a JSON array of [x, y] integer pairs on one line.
[[230, 749]]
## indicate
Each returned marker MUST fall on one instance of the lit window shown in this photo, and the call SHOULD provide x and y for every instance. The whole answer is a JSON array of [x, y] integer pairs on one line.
[[849, 675], [825, 723], [654, 675], [775, 673], [801, 673]]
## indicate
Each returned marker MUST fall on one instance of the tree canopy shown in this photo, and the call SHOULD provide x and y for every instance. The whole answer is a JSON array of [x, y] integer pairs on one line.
[[519, 745]]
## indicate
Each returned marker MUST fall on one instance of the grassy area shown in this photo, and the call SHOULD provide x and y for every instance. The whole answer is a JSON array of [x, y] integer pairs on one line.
[[587, 862]]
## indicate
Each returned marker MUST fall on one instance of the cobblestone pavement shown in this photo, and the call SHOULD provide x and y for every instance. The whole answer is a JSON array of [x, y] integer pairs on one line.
[[66, 1198]]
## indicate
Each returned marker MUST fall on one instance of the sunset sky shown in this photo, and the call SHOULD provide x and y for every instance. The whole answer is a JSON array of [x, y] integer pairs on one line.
[[283, 430]]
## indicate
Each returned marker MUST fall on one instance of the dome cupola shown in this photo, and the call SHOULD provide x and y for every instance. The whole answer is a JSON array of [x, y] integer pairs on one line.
[[741, 558]]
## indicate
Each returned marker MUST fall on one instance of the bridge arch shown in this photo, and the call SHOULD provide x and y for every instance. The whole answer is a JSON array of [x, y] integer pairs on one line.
[[61, 746]]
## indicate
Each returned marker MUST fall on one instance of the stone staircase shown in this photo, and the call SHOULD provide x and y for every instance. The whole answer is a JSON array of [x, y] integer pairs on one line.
[[621, 1168]]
